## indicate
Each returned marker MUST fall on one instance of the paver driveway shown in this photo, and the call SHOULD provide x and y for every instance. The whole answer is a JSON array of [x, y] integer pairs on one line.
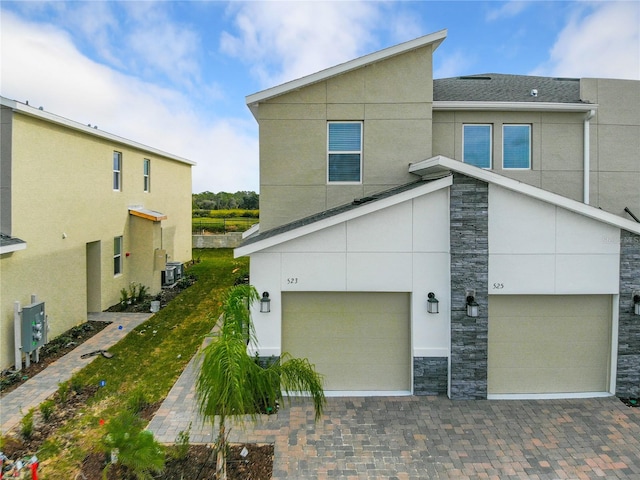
[[432, 437]]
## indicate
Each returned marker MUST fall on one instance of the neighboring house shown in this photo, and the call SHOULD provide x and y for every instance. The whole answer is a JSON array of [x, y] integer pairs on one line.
[[83, 214], [380, 186]]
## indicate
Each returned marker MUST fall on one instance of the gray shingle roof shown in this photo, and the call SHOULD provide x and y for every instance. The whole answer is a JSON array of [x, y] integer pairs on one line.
[[494, 87], [333, 212], [6, 240]]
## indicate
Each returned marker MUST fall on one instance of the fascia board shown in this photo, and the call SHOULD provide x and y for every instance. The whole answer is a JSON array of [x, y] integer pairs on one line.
[[362, 210], [13, 248], [435, 38], [442, 163], [444, 106], [52, 118]]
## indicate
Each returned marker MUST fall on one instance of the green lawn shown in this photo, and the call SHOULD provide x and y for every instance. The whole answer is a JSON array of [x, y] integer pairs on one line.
[[221, 225], [145, 363]]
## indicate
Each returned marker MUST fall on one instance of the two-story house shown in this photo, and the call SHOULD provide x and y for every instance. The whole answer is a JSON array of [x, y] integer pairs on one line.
[[83, 214], [462, 236]]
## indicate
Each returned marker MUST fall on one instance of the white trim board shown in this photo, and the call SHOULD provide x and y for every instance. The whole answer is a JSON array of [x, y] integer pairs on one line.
[[440, 165]]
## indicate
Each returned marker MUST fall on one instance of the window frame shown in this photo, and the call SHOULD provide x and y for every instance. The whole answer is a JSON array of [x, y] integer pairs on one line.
[[146, 175], [118, 244], [345, 152], [490, 126], [530, 129], [117, 171]]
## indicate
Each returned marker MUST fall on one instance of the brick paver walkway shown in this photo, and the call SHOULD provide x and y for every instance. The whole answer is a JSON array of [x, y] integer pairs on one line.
[[15, 404], [430, 437]]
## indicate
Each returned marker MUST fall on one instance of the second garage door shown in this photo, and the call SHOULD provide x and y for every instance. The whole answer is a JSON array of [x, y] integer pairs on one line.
[[549, 344], [358, 341]]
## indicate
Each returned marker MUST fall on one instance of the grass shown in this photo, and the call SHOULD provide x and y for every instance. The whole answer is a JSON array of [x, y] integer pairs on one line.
[[149, 360], [235, 224]]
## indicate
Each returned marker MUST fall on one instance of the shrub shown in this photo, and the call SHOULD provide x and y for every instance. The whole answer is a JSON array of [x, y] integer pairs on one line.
[[26, 425], [46, 409], [134, 448]]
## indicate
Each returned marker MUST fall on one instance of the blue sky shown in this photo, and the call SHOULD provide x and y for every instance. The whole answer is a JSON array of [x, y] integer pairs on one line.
[[174, 75]]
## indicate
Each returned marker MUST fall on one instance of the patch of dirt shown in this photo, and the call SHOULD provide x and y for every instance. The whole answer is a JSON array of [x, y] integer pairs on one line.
[[49, 353], [198, 464], [631, 402], [164, 297]]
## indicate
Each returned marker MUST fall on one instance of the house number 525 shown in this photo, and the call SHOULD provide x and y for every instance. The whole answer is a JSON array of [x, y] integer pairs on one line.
[[498, 286]]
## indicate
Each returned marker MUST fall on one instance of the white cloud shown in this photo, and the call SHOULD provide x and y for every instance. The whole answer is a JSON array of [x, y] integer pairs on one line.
[[452, 65], [600, 40], [509, 9], [288, 40], [41, 64]]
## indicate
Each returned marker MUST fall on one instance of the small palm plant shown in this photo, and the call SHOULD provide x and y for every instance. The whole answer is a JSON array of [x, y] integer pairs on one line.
[[232, 384]]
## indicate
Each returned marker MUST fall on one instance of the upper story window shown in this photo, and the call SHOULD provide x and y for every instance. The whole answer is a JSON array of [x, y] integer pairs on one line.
[[146, 174], [117, 256], [117, 171], [476, 145], [345, 152], [516, 146]]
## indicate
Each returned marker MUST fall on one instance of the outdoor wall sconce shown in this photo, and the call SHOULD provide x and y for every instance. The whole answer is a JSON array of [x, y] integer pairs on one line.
[[472, 305], [636, 303], [432, 303], [265, 303]]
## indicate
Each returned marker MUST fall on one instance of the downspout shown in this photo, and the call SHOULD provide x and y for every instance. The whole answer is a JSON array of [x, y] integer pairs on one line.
[[586, 158]]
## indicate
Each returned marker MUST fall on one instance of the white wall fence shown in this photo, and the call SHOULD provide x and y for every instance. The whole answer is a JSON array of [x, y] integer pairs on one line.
[[227, 240]]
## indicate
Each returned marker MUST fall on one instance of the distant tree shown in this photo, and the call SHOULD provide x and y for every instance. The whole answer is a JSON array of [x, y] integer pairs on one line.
[[244, 200]]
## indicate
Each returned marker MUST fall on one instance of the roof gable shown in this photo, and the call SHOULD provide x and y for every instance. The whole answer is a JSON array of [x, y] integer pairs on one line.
[[434, 39], [441, 165]]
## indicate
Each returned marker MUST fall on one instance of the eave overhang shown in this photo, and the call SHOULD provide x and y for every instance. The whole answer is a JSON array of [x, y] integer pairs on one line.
[[445, 106], [254, 100], [9, 244], [147, 214], [441, 165]]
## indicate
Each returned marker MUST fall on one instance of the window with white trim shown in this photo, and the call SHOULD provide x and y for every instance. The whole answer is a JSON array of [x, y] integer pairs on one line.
[[516, 147], [117, 171], [117, 255], [477, 145], [146, 174], [344, 152]]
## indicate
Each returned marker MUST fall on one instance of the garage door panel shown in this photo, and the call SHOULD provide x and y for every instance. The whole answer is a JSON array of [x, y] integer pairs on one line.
[[549, 344], [359, 341]]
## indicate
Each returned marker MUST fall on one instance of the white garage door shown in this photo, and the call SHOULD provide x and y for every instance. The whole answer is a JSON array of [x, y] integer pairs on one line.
[[549, 344], [358, 341]]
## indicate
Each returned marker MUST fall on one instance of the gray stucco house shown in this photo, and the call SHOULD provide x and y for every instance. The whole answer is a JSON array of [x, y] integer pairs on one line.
[[471, 236]]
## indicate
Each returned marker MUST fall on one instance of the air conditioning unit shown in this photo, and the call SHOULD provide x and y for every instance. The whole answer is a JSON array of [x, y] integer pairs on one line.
[[169, 276], [179, 269]]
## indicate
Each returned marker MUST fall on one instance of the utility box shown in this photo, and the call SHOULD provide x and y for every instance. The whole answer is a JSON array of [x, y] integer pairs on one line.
[[34, 327]]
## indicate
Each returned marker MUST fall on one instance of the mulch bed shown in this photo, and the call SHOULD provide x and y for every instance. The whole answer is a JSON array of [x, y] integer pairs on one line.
[[198, 464], [49, 353]]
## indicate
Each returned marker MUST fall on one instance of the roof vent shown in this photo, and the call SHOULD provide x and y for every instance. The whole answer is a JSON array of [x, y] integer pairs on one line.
[[534, 92]]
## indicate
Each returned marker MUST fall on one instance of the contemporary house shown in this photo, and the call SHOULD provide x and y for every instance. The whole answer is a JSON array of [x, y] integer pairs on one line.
[[472, 236], [83, 214]]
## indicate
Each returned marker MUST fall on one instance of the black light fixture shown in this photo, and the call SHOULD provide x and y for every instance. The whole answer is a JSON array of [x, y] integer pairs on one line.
[[472, 306], [432, 303], [636, 303], [265, 303]]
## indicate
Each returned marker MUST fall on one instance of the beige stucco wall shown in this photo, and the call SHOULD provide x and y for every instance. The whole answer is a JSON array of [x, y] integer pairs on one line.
[[557, 145], [556, 141], [615, 144], [64, 207], [392, 97]]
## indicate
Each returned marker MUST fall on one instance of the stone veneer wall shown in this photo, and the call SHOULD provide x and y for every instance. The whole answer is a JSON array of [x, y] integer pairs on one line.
[[430, 375], [628, 372], [469, 202]]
